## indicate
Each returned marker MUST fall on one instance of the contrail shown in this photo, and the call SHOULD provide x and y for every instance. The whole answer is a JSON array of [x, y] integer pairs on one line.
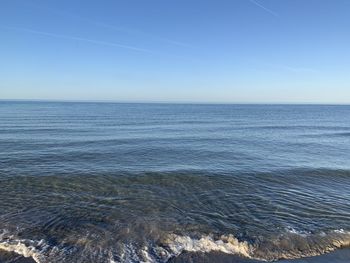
[[112, 27], [131, 31], [265, 8], [92, 41]]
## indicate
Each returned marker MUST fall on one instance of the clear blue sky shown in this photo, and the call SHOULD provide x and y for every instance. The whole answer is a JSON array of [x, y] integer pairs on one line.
[[176, 50]]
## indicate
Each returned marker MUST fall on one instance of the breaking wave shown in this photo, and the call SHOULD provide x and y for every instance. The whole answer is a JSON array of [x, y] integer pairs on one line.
[[292, 244], [226, 243], [26, 248]]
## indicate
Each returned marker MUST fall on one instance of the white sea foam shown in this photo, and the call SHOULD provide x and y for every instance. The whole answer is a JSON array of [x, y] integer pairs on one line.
[[174, 245], [22, 249], [292, 244], [132, 253], [226, 244], [302, 233], [341, 231]]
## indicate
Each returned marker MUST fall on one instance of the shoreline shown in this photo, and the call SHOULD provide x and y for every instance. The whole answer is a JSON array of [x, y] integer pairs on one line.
[[337, 256]]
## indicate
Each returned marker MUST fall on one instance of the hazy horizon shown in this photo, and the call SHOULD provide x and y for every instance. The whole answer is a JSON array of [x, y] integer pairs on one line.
[[175, 102]]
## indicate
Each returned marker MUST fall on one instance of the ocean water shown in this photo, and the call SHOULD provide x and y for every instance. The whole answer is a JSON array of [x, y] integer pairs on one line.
[[109, 182]]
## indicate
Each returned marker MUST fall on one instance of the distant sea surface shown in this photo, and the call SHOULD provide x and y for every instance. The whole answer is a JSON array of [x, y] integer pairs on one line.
[[109, 182]]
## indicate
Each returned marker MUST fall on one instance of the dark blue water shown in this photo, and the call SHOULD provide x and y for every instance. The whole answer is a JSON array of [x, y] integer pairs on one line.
[[108, 182]]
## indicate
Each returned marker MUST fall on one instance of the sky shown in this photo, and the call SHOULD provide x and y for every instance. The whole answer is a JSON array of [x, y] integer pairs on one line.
[[217, 51]]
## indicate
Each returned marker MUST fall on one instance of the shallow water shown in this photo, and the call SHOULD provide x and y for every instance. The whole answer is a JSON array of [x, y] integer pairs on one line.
[[104, 182]]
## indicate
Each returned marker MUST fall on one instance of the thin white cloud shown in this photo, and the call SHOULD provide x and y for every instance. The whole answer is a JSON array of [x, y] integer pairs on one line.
[[264, 8], [112, 27], [92, 41], [301, 70], [135, 32]]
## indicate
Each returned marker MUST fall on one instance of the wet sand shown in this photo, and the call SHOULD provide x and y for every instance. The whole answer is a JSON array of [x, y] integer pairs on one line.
[[339, 256]]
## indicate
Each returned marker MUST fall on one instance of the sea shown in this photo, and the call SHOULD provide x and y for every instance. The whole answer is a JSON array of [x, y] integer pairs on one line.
[[136, 182]]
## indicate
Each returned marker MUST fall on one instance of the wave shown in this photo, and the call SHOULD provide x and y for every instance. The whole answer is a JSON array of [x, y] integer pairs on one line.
[[226, 243], [328, 135], [293, 244], [25, 248], [298, 244]]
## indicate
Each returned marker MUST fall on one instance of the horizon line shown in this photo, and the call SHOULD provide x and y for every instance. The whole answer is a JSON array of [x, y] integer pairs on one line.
[[176, 102]]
